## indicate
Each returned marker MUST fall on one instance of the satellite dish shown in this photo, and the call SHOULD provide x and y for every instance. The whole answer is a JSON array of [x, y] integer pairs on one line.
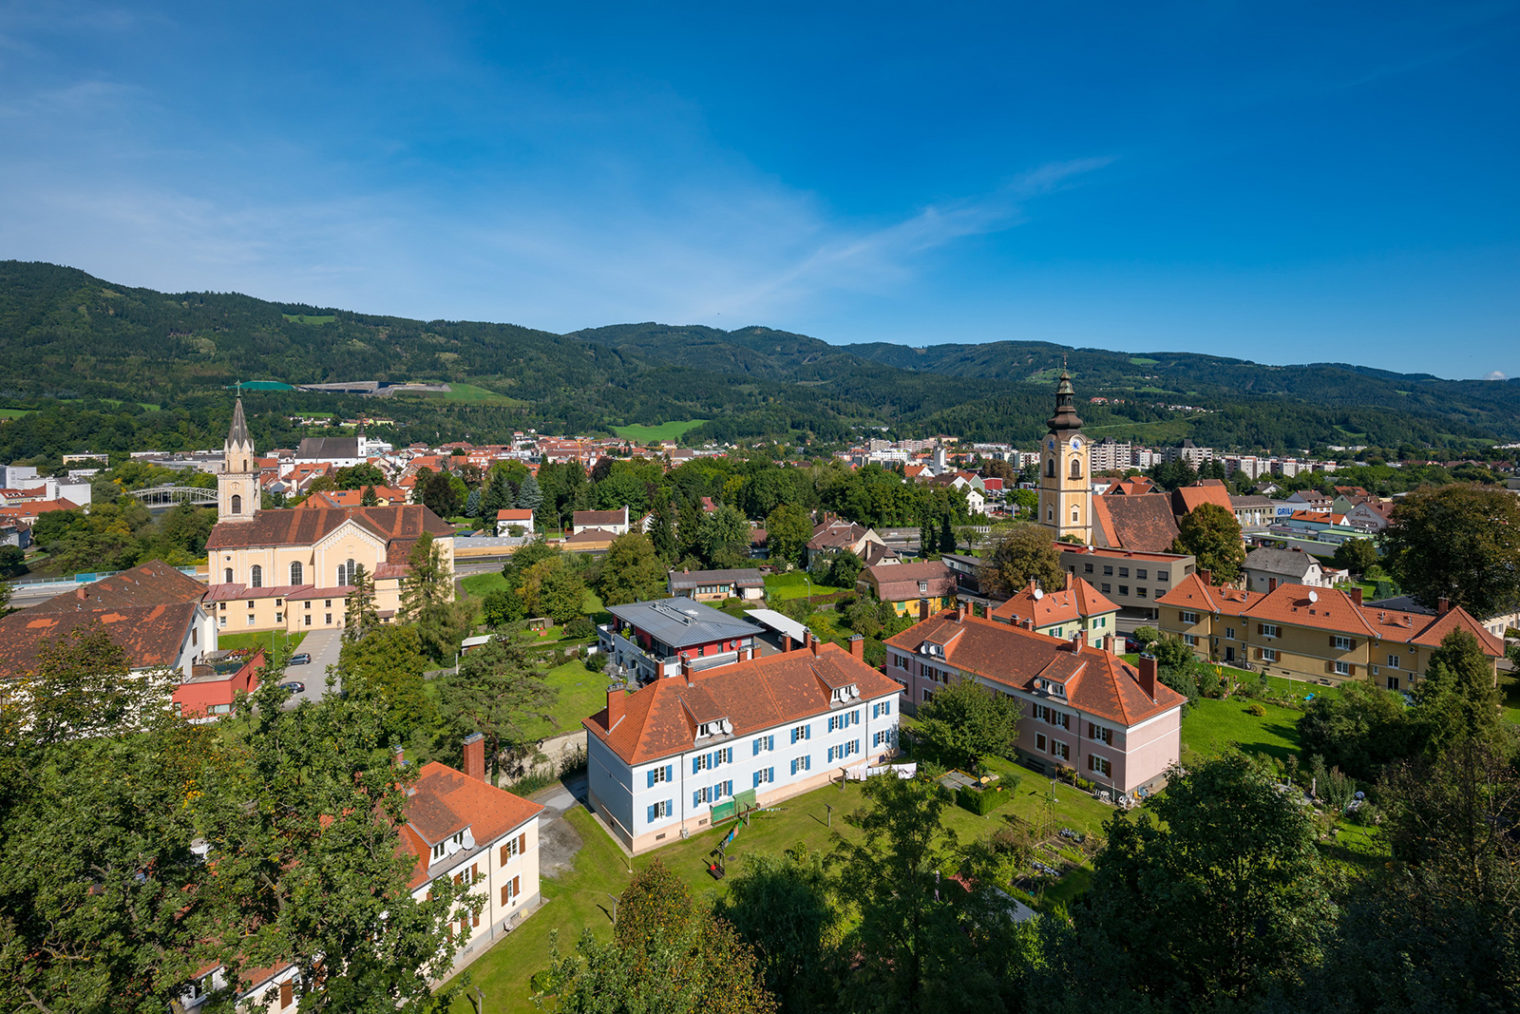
[[469, 838], [1313, 595], [1038, 595], [452, 847]]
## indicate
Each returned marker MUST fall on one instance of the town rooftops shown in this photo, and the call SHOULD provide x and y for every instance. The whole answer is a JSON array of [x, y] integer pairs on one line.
[[1094, 681], [681, 622], [515, 514], [399, 526], [663, 719], [739, 578], [328, 447], [1187, 499], [1143, 521], [897, 582], [444, 801], [1077, 601]]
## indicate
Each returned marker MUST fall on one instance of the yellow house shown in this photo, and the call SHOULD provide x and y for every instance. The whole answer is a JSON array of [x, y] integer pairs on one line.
[[293, 569], [919, 589], [1320, 634]]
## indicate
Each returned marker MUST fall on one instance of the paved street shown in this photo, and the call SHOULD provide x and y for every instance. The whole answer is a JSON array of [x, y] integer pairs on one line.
[[323, 647]]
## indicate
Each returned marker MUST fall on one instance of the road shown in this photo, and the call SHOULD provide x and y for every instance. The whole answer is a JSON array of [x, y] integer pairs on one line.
[[323, 647]]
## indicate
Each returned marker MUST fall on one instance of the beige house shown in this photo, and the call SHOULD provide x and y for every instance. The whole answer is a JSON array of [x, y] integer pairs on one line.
[[293, 569]]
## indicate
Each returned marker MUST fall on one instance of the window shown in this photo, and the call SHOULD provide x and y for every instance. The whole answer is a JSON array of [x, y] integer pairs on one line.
[[327, 619], [1190, 640], [1075, 517], [883, 708], [1188, 616], [1050, 469], [1393, 683], [1393, 661], [1059, 749], [279, 617], [723, 788], [1087, 568], [700, 796], [882, 737], [1098, 764], [764, 776], [1341, 643], [1108, 571], [250, 619], [295, 573], [764, 744], [1102, 735], [1270, 630], [1106, 588], [1163, 576], [801, 764], [237, 504], [803, 732], [1140, 592], [1076, 469], [1039, 742], [1142, 573], [1342, 668], [1124, 589], [1229, 633], [222, 620], [1269, 654], [226, 579], [1124, 572], [439, 849], [660, 809], [510, 890], [660, 774], [256, 576], [308, 618]]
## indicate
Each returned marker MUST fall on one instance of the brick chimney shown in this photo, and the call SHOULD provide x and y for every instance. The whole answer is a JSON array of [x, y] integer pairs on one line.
[[807, 639], [615, 703], [858, 647], [923, 610], [475, 756], [398, 757], [1207, 576], [786, 643], [1069, 578], [1079, 640], [1443, 606], [1148, 675], [1356, 594], [961, 610], [813, 645]]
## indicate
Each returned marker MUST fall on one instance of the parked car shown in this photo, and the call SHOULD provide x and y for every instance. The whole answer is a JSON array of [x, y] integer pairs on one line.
[[294, 686], [302, 659]]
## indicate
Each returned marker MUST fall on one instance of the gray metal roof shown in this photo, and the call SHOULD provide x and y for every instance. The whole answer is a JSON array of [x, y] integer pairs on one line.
[[1279, 561], [694, 578], [682, 622]]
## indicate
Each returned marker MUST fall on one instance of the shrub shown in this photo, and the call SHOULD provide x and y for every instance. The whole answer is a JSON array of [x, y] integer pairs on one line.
[[1256, 710], [597, 662], [981, 801], [579, 627]]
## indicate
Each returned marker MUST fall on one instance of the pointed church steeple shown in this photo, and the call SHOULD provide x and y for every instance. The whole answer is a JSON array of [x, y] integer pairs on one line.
[[238, 485], [1066, 413], [237, 435]]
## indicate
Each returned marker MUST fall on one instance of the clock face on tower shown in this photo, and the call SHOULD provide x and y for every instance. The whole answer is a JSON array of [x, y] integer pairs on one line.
[[1051, 445], [1076, 443]]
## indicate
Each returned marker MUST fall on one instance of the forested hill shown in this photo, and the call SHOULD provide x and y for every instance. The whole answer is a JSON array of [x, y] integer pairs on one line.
[[89, 362]]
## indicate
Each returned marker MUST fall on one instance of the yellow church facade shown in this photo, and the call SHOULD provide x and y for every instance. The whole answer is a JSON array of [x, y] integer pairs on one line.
[[293, 569]]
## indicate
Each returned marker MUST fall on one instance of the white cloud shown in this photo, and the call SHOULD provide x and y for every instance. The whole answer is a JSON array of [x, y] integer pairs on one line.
[[1494, 375]]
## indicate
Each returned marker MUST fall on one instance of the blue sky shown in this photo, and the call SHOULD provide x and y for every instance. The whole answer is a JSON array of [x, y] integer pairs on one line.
[[1282, 182]]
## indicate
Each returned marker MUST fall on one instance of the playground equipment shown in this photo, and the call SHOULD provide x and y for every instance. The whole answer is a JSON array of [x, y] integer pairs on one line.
[[717, 867]]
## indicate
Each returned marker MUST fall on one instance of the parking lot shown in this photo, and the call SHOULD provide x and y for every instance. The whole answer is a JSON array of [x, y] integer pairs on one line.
[[323, 647]]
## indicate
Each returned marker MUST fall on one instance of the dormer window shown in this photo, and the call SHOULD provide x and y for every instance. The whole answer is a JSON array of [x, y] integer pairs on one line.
[[439, 849], [846, 693]]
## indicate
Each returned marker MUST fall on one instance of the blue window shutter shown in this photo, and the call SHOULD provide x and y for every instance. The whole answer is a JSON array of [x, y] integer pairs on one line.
[[696, 765], [651, 779], [670, 772], [728, 757], [670, 807], [649, 815], [794, 735], [757, 779], [757, 748]]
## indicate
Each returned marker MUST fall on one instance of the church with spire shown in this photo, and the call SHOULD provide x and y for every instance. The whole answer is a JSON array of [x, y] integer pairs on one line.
[[1065, 485], [293, 569]]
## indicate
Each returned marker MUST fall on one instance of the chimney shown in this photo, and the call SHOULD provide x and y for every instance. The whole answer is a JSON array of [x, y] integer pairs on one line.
[[786, 643], [807, 639], [398, 757], [1443, 606], [1108, 643], [923, 610], [1207, 576], [961, 609], [1068, 580], [475, 756], [1148, 675], [615, 702], [813, 644], [1079, 640], [858, 647], [1356, 594]]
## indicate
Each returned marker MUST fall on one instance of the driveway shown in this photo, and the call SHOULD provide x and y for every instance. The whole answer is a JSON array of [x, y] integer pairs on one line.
[[558, 842], [323, 647]]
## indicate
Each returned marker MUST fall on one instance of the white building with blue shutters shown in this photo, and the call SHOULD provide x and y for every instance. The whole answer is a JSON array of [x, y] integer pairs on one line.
[[670, 759]]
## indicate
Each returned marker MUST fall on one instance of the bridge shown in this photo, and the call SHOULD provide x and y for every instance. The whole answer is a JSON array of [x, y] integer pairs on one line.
[[168, 496]]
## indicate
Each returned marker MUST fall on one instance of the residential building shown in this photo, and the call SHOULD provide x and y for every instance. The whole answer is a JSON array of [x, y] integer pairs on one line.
[[152, 612], [912, 589], [1320, 634], [676, 756], [293, 569], [1131, 579], [1143, 522], [1269, 566], [717, 585], [1253, 512], [214, 684], [1065, 494], [1076, 608], [833, 535], [611, 522], [1370, 516], [514, 517], [1083, 708], [671, 637]]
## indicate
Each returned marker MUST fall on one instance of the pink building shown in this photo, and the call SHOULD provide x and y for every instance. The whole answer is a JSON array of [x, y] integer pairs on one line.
[[1083, 708], [212, 689]]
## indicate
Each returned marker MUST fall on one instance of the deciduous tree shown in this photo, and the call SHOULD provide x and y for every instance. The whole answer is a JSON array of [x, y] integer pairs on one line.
[[498, 692], [966, 721], [631, 572], [1212, 535], [1019, 554], [1460, 543]]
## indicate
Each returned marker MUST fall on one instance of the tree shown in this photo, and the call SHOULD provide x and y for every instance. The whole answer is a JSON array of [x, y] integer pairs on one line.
[[498, 692], [387, 665], [1360, 730], [1211, 534], [529, 493], [82, 686], [12, 561], [662, 532], [665, 956], [1355, 555], [439, 494], [1022, 553], [779, 905], [1459, 696], [844, 568], [427, 600], [723, 536], [1459, 543], [787, 531], [360, 616], [1222, 896], [966, 721], [359, 476], [561, 594], [631, 572]]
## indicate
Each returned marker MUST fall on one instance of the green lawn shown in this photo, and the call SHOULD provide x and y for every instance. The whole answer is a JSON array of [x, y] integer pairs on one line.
[[15, 413], [580, 693], [1210, 728], [266, 639], [782, 587], [579, 899], [1509, 686], [476, 395], [673, 430]]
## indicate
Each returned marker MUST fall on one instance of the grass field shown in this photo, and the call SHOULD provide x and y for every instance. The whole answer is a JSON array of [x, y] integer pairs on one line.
[[472, 394], [783, 587], [665, 431], [582, 897], [266, 639], [1211, 728], [1509, 686], [579, 694], [15, 413], [309, 318]]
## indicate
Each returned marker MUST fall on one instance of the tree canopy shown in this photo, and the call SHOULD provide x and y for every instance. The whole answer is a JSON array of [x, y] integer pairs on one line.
[[1459, 543]]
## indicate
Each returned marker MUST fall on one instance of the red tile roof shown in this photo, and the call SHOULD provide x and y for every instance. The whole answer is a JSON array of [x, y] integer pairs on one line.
[[1078, 600], [661, 719], [400, 526], [1187, 499], [1143, 521], [1097, 682], [444, 801], [897, 582]]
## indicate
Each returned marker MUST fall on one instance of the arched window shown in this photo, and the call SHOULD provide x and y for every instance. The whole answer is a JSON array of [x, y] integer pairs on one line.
[[1074, 515], [256, 576], [237, 504], [1050, 514], [227, 576], [1076, 468], [1050, 468], [295, 573]]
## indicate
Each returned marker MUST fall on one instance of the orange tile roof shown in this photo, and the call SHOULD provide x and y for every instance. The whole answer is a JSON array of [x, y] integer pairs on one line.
[[1142, 521], [897, 582], [660, 720], [1078, 600], [444, 801], [1097, 682], [400, 526], [1187, 499]]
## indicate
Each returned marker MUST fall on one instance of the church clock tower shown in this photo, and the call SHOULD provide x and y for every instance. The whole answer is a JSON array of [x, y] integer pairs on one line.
[[237, 488], [1065, 486]]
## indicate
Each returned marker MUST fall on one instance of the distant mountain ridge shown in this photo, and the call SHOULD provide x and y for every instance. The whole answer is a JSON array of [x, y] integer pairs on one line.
[[68, 335]]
